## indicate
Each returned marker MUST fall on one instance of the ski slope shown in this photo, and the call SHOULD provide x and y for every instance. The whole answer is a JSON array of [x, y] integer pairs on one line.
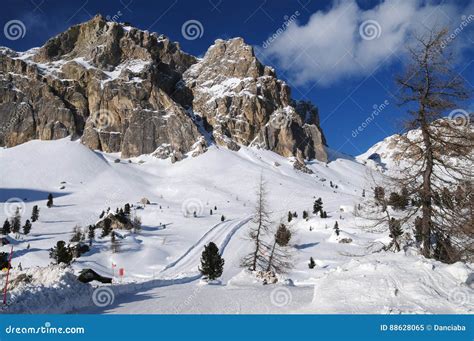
[[161, 261]]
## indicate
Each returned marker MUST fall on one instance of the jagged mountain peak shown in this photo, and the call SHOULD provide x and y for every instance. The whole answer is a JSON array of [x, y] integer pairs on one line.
[[121, 89]]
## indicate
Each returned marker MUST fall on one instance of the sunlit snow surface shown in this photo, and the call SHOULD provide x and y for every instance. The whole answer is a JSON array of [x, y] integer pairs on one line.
[[161, 264]]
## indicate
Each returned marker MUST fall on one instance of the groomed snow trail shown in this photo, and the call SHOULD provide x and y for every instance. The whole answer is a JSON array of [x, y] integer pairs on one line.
[[188, 263]]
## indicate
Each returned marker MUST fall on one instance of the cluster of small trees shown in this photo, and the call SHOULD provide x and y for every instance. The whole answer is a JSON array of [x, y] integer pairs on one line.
[[13, 225]]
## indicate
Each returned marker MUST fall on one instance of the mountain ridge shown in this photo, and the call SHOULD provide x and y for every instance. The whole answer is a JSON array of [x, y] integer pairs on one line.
[[121, 89]]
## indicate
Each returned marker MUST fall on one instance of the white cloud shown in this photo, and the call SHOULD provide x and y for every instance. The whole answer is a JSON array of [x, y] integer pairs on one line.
[[329, 47]]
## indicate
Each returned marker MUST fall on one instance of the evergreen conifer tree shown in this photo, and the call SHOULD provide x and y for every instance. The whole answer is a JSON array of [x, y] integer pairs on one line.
[[27, 227], [212, 264], [16, 221], [49, 203], [317, 206], [6, 229], [61, 253], [35, 213], [336, 228]]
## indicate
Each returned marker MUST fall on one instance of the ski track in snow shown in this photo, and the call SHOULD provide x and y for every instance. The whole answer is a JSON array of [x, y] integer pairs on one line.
[[354, 278], [190, 259]]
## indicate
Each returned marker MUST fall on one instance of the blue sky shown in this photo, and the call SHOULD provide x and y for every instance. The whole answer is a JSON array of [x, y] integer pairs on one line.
[[341, 55]]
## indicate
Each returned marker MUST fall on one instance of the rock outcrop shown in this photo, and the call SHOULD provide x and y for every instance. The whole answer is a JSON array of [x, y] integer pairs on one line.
[[124, 90]]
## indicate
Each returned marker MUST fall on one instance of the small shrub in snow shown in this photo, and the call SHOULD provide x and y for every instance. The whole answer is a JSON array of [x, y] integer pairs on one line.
[[35, 213], [49, 203], [27, 227]]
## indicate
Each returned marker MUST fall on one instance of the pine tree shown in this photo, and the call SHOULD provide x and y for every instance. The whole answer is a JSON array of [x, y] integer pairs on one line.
[[16, 221], [311, 263], [102, 215], [61, 253], [317, 206], [210, 211], [363, 193], [290, 216], [50, 201], [212, 264], [77, 235], [107, 228], [222, 218], [278, 260], [27, 227], [35, 213], [6, 229], [126, 209], [91, 234], [336, 228], [305, 215]]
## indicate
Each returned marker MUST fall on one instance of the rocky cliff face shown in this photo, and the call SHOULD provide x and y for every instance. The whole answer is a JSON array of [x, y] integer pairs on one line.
[[124, 90]]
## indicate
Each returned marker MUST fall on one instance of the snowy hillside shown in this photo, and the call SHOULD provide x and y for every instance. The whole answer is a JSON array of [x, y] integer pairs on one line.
[[161, 260]]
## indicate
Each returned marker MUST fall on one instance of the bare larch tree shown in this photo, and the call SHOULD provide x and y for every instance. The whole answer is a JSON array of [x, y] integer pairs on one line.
[[439, 158], [258, 231]]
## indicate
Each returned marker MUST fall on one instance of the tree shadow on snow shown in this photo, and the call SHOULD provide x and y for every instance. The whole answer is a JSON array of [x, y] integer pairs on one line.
[[305, 246], [27, 194]]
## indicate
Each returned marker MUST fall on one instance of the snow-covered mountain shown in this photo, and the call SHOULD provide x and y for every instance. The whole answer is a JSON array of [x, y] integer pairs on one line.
[[121, 89], [98, 117], [161, 261]]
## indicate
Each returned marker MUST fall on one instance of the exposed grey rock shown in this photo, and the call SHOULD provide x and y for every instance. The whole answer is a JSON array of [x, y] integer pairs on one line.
[[124, 90]]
